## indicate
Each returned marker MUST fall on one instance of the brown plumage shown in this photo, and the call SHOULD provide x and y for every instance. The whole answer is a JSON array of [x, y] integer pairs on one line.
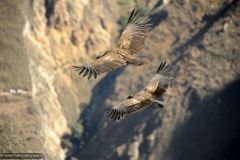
[[147, 96], [131, 42]]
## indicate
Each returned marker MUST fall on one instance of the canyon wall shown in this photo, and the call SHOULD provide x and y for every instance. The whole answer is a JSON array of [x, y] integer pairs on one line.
[[46, 107]]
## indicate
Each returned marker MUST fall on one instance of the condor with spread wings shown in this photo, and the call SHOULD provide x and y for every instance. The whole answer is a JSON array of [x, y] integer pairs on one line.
[[148, 96], [131, 42]]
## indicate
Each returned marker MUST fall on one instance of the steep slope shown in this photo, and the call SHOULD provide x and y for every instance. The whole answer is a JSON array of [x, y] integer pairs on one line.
[[19, 124], [201, 40], [40, 92]]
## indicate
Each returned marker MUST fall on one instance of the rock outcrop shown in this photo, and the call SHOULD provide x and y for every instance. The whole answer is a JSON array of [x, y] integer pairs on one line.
[[40, 93]]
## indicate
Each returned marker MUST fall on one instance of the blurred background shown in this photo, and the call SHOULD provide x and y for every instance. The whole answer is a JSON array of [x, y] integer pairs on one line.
[[46, 107]]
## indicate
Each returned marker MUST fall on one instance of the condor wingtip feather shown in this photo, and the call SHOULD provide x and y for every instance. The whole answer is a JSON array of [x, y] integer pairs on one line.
[[131, 15], [136, 17], [161, 66], [88, 71], [114, 114]]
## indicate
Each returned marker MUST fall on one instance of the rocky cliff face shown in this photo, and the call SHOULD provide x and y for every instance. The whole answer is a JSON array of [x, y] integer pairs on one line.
[[46, 107], [40, 93]]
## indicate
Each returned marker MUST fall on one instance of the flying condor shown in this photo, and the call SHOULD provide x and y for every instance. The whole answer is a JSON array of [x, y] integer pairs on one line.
[[131, 42], [148, 96]]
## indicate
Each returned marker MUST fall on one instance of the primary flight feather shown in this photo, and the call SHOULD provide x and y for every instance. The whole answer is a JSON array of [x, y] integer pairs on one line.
[[131, 42], [148, 96]]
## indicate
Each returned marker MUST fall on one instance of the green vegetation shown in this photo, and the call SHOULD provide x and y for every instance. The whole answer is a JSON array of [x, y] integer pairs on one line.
[[123, 20], [67, 143], [129, 5], [77, 130], [32, 109], [122, 2], [144, 10]]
